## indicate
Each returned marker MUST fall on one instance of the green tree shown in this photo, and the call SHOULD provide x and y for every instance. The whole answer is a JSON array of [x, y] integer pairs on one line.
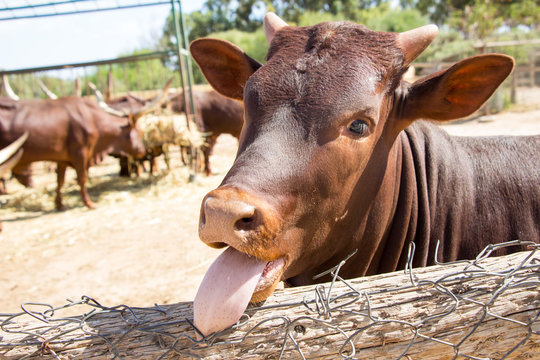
[[386, 18], [253, 43], [381, 18], [478, 20], [507, 12], [132, 76]]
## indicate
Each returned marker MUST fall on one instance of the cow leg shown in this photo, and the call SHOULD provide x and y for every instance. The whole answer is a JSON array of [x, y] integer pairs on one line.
[[23, 174], [138, 167], [60, 178], [82, 173], [125, 170], [153, 165], [207, 151], [185, 154], [166, 159]]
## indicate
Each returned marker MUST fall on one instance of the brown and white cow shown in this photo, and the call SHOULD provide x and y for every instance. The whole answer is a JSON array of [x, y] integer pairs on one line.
[[70, 131], [334, 157]]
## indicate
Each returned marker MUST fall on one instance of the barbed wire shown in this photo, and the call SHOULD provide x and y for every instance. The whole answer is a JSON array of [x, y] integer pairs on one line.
[[340, 309]]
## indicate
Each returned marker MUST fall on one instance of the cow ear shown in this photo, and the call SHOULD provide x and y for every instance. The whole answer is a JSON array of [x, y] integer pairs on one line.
[[457, 91], [226, 67]]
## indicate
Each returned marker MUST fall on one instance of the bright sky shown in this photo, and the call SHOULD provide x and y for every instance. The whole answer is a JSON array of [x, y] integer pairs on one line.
[[27, 43]]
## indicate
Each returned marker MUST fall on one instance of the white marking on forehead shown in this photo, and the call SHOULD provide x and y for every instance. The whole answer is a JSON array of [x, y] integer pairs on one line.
[[370, 82], [300, 79]]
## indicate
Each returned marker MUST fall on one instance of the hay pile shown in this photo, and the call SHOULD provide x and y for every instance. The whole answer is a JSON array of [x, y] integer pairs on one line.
[[169, 129]]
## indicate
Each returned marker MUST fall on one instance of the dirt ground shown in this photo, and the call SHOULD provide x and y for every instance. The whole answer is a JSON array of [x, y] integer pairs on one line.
[[140, 245]]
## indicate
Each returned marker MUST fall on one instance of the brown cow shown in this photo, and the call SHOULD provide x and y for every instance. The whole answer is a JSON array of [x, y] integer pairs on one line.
[[130, 103], [128, 165], [215, 115], [333, 158], [69, 131]]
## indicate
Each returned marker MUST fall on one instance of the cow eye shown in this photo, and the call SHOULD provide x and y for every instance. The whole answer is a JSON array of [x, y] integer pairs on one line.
[[359, 127]]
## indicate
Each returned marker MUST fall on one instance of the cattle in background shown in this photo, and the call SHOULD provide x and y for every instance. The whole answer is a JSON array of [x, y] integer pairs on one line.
[[70, 131], [215, 115], [10, 156], [334, 158], [131, 103]]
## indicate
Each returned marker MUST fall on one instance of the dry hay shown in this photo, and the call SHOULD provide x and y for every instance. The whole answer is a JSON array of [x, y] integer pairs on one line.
[[169, 128]]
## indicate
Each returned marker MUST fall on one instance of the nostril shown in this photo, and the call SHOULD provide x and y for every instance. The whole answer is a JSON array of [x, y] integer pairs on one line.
[[202, 217], [245, 223], [222, 217], [202, 220]]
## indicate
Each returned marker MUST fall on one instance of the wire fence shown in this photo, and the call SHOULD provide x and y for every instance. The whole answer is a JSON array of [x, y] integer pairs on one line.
[[483, 308]]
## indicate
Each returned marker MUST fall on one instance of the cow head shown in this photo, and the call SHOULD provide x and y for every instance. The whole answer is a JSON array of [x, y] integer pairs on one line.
[[127, 139], [130, 107], [132, 140], [321, 119]]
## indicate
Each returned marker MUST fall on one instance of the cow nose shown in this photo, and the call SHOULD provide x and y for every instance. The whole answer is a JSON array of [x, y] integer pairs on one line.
[[225, 221], [233, 217]]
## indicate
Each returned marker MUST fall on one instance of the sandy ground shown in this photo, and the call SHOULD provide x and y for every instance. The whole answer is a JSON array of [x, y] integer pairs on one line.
[[139, 246]]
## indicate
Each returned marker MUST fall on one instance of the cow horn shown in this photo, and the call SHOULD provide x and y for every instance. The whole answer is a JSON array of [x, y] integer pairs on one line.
[[11, 154], [102, 104], [155, 103], [414, 41], [136, 98], [46, 90], [77, 88], [272, 24], [7, 88]]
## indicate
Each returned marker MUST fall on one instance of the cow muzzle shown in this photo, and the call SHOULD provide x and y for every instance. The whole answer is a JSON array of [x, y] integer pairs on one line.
[[232, 217], [250, 269]]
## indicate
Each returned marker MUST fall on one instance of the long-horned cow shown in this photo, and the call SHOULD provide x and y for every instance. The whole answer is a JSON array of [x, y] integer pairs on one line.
[[71, 131], [334, 157], [127, 104]]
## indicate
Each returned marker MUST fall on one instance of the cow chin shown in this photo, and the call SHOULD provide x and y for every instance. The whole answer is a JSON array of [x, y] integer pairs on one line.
[[269, 280], [262, 295]]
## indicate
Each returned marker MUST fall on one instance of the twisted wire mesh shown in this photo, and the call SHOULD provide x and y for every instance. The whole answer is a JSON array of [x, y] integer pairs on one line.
[[339, 319]]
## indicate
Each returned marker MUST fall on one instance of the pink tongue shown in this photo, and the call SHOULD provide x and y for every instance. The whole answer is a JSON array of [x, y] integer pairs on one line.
[[226, 290]]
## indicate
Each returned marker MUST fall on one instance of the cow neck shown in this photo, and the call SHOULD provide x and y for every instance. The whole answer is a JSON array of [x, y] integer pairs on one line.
[[455, 189], [110, 129], [411, 220], [420, 178], [406, 179], [369, 222]]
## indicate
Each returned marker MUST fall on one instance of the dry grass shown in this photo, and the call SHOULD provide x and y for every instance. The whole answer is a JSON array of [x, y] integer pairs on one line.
[[139, 246]]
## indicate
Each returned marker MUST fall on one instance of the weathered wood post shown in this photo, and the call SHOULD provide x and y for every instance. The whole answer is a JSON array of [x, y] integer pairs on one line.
[[487, 308]]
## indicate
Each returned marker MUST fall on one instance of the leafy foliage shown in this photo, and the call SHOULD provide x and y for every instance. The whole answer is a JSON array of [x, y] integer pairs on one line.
[[478, 16], [132, 76], [463, 24]]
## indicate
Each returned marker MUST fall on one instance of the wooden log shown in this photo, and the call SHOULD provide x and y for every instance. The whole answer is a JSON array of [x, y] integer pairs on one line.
[[486, 309]]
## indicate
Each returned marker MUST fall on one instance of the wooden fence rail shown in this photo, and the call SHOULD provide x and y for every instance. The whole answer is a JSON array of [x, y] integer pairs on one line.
[[486, 308]]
